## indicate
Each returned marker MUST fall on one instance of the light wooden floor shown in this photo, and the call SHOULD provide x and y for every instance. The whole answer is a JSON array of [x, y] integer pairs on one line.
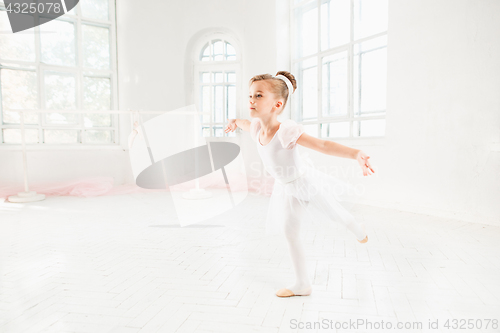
[[118, 264]]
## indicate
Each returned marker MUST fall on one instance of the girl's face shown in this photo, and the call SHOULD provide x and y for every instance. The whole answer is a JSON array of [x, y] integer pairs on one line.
[[261, 100]]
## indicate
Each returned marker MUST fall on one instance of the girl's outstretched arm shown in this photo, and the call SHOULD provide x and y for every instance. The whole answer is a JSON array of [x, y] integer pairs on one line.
[[232, 124], [336, 149]]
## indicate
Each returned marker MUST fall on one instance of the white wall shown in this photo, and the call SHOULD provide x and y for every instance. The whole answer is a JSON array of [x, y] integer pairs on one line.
[[444, 107]]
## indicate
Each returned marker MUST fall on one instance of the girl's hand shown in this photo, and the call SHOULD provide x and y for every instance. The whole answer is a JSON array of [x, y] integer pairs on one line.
[[362, 159], [231, 126]]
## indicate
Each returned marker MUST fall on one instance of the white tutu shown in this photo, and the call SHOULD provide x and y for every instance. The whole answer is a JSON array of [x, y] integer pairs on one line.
[[314, 197], [324, 200]]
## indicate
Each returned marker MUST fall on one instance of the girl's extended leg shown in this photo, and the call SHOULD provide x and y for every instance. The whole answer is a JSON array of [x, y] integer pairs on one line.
[[335, 211], [294, 212]]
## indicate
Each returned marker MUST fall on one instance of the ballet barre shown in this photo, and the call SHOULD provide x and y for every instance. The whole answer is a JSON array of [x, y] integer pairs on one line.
[[30, 196]]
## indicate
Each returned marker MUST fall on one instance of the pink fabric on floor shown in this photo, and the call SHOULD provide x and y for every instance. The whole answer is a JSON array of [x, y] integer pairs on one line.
[[88, 187], [97, 186]]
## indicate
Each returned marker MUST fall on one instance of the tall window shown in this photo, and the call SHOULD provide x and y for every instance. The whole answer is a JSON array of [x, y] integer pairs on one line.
[[65, 64], [339, 55], [216, 79]]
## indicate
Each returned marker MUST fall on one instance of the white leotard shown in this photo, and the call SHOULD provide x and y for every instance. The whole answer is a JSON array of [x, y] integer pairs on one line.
[[280, 159]]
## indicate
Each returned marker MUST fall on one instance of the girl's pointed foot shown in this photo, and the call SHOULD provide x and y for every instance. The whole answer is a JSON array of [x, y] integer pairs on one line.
[[366, 238], [284, 292]]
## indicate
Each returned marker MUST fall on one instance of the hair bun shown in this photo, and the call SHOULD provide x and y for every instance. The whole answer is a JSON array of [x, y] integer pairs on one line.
[[290, 77]]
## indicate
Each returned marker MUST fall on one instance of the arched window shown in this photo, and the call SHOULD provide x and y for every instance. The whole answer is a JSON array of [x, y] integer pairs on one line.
[[217, 77]]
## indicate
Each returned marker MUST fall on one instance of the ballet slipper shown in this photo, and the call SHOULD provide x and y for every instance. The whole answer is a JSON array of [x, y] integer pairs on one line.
[[366, 238], [283, 292]]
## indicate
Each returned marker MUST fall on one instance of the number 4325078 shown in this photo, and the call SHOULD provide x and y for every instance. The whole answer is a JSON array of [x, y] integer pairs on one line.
[[471, 324], [24, 8]]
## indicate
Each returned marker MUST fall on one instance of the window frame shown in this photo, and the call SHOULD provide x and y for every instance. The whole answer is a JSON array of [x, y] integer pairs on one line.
[[296, 112], [80, 72], [211, 66]]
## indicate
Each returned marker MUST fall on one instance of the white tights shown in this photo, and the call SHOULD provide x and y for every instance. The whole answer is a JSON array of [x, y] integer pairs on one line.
[[293, 217]]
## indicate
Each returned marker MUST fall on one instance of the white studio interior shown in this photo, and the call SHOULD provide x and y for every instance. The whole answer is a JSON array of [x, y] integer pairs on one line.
[[132, 201]]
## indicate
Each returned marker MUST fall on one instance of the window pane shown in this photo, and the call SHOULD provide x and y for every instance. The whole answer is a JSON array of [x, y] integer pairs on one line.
[[60, 93], [373, 127], [19, 46], [230, 52], [205, 77], [57, 40], [306, 103], [217, 50], [230, 49], [218, 131], [60, 136], [18, 91], [98, 136], [370, 76], [230, 77], [217, 77], [95, 47], [311, 129], [218, 102], [96, 96], [206, 132], [13, 135], [335, 25], [96, 9], [306, 18], [335, 85], [206, 104], [231, 102], [370, 17], [335, 130], [205, 53]]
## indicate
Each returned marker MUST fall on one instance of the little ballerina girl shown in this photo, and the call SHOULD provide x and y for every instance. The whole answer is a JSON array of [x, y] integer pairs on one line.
[[298, 187]]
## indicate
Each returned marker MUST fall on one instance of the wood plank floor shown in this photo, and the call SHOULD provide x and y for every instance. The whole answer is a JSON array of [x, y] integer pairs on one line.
[[121, 264]]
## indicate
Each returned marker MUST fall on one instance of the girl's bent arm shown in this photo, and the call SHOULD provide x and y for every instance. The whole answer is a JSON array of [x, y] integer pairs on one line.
[[327, 147], [244, 124]]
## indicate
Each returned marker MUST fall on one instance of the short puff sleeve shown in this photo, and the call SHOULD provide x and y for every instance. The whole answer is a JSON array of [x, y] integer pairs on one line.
[[289, 132], [254, 129]]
